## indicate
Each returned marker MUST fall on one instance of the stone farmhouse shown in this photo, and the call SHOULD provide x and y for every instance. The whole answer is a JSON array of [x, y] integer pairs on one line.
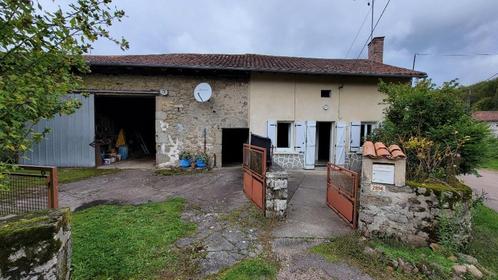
[[314, 110]]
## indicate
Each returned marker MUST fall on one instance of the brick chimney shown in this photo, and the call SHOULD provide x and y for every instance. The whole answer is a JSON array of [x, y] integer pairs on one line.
[[376, 49]]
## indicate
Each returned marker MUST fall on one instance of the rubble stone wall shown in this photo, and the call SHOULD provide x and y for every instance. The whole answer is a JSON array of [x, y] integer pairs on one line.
[[36, 245], [182, 123], [289, 161]]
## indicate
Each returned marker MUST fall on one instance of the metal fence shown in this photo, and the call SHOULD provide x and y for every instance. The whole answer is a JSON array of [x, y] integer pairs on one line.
[[342, 192], [254, 168], [255, 160], [29, 188]]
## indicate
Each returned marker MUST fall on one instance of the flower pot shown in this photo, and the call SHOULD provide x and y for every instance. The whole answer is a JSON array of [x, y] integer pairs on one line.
[[200, 163], [184, 163]]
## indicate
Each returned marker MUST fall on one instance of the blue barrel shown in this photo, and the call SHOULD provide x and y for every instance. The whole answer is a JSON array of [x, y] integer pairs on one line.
[[123, 152]]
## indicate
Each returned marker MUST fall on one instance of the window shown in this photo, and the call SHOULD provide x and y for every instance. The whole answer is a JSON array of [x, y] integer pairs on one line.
[[284, 134], [365, 131], [325, 93]]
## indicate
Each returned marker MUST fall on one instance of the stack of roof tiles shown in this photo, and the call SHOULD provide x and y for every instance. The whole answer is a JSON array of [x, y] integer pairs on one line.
[[379, 150]]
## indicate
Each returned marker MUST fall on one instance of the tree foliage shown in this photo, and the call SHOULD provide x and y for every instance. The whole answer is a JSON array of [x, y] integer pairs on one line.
[[482, 96], [434, 127], [41, 58]]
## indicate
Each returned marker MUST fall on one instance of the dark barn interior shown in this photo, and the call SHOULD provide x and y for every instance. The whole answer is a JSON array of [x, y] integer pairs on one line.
[[135, 115], [232, 143]]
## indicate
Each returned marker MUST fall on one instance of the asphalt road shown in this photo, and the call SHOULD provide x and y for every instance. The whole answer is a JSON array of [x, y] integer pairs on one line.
[[487, 182]]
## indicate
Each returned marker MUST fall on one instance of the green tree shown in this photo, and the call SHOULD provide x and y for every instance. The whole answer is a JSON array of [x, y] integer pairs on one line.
[[434, 127], [482, 96], [41, 60]]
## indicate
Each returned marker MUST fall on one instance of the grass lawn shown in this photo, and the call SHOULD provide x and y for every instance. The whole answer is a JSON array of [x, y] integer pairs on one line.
[[128, 242], [490, 164], [484, 246], [67, 175], [248, 269]]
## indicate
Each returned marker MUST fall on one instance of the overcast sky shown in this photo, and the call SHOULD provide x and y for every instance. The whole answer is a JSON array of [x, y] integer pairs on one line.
[[319, 28]]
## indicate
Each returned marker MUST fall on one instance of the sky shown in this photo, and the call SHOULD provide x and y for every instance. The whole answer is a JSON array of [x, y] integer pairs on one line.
[[319, 28]]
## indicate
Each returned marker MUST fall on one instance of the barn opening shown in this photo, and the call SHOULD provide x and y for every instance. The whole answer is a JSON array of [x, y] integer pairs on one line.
[[232, 143], [124, 129], [323, 137]]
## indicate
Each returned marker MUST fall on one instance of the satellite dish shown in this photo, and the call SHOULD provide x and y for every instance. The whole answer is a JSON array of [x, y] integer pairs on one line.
[[202, 92]]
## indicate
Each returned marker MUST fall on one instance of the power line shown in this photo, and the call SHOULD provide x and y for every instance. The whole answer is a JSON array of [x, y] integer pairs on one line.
[[373, 29], [449, 55], [494, 75], [357, 33]]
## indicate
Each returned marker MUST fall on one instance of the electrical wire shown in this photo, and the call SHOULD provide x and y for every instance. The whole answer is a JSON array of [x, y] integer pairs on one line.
[[357, 33], [375, 26], [496, 74]]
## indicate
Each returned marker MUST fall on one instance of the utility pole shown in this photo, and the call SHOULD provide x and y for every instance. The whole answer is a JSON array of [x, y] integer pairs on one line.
[[372, 22]]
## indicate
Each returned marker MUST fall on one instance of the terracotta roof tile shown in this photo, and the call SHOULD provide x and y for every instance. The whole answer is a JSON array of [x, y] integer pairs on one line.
[[487, 116], [379, 150], [255, 62]]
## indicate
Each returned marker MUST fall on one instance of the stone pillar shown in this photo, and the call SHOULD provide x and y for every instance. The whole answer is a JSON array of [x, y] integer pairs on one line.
[[36, 245], [276, 194]]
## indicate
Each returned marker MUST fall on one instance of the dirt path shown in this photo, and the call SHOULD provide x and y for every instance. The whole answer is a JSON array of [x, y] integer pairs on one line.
[[309, 223], [487, 182]]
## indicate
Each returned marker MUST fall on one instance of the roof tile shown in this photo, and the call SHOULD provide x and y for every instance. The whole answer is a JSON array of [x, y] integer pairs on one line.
[[255, 62], [379, 150], [487, 116]]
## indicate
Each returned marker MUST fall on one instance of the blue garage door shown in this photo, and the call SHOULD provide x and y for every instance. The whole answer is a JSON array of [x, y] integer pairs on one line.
[[67, 145]]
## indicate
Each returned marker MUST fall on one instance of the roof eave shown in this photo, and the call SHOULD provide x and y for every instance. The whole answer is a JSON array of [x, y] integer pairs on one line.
[[394, 75]]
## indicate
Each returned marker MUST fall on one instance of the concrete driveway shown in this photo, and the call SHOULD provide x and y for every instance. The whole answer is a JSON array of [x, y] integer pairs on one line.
[[219, 188], [487, 182], [310, 222]]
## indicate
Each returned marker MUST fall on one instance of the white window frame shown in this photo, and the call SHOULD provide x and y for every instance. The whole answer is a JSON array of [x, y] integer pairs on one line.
[[364, 126], [290, 149]]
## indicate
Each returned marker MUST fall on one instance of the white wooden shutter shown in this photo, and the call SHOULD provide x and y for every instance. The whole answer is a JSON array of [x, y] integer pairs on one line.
[[300, 140], [340, 143], [355, 136], [309, 154], [271, 131]]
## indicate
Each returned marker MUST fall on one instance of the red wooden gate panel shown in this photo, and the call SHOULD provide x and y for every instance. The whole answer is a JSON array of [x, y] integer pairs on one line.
[[254, 167], [342, 193]]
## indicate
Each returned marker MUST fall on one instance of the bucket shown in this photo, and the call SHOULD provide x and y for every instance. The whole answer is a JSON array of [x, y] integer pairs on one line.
[[123, 152]]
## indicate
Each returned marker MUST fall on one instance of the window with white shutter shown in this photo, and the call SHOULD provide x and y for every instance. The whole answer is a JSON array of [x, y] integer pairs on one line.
[[355, 136]]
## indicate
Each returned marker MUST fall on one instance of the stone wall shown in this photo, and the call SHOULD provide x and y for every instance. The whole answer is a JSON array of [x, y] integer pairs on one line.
[[276, 193], [289, 161], [408, 213], [181, 122], [36, 245]]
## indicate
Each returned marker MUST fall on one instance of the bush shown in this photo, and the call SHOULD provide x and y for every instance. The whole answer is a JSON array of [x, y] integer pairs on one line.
[[434, 127], [185, 155]]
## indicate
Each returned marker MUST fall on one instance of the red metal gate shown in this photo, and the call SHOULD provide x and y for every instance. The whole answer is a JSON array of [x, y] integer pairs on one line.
[[254, 166], [342, 193]]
